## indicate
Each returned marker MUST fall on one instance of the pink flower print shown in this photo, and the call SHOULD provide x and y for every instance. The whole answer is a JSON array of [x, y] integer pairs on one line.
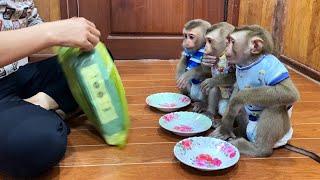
[[186, 144], [185, 99], [230, 151], [227, 150], [169, 105], [183, 128], [207, 161], [233, 154], [216, 162], [170, 117]]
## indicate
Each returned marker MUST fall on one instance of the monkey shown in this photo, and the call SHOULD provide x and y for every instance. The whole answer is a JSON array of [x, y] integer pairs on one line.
[[218, 88], [262, 98], [189, 68]]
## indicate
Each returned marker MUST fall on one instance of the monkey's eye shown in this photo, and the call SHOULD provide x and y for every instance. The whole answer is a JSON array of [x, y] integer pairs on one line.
[[230, 40], [191, 37], [210, 41], [185, 36]]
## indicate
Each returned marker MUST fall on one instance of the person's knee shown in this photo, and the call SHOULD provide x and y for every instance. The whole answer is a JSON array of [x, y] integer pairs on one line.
[[32, 152]]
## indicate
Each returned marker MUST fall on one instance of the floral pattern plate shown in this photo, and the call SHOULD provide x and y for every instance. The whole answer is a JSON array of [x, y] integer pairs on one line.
[[206, 153], [168, 102], [185, 123]]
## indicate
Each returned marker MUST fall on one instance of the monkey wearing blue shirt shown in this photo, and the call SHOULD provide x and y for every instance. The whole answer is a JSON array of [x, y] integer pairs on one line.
[[189, 67], [262, 97]]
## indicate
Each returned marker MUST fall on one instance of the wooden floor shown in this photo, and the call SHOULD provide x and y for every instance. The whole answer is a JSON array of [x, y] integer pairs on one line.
[[149, 152]]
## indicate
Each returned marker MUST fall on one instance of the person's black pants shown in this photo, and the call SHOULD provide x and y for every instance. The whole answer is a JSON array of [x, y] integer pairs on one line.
[[32, 139]]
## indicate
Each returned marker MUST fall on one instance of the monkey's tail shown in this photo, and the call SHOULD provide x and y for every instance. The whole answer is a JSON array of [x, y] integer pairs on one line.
[[302, 151]]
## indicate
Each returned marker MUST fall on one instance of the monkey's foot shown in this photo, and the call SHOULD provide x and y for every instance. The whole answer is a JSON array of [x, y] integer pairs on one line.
[[199, 107], [216, 122], [221, 133]]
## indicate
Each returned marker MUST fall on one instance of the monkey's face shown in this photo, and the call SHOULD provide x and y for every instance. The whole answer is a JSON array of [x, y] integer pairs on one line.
[[215, 43], [193, 39], [238, 49]]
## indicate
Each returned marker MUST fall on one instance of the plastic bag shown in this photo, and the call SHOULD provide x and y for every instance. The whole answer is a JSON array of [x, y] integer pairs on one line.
[[96, 86]]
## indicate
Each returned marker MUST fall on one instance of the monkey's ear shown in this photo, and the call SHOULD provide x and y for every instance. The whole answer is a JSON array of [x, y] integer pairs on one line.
[[256, 45]]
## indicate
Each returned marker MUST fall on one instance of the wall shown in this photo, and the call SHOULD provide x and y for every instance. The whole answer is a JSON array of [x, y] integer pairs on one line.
[[289, 20], [48, 9], [295, 25]]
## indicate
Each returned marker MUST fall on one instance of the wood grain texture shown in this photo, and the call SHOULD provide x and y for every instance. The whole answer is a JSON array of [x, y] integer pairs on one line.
[[297, 29], [148, 154], [49, 9], [209, 10], [257, 12], [150, 16], [295, 26], [145, 28], [233, 12]]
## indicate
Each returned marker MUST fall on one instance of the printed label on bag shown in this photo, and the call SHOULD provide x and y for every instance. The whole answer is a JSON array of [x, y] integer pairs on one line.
[[99, 93]]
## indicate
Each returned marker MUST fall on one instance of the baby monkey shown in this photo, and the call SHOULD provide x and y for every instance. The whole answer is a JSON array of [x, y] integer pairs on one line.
[[189, 68], [262, 98], [218, 88]]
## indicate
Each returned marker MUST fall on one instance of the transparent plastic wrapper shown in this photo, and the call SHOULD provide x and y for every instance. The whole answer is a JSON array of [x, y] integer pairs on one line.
[[96, 85]]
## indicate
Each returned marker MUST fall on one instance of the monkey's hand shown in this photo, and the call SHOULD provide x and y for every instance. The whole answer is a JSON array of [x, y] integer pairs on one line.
[[206, 85], [235, 105], [210, 61], [222, 133], [183, 80]]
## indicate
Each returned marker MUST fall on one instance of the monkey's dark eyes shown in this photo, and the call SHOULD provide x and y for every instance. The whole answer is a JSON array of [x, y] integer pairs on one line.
[[209, 41], [185, 36], [191, 37]]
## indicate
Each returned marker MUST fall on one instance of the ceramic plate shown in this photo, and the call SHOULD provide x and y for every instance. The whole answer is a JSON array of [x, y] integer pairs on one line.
[[168, 102], [206, 153], [185, 123]]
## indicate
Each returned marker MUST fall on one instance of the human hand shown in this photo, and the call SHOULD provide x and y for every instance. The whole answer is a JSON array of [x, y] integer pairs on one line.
[[74, 32]]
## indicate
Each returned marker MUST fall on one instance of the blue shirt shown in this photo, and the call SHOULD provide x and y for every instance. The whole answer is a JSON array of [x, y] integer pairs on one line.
[[193, 58], [266, 71]]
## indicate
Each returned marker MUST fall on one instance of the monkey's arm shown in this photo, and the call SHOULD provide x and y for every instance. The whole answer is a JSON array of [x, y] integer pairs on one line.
[[199, 72], [219, 80], [225, 130], [184, 78], [284, 93], [181, 66]]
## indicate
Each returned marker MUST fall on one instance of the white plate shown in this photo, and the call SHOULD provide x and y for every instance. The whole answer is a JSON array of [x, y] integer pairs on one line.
[[206, 153], [168, 102], [185, 123]]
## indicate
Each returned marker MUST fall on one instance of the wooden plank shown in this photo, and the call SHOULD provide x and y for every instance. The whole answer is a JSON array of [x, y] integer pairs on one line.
[[306, 86], [55, 13], [135, 91], [141, 153], [147, 16], [233, 12], [301, 67], [155, 134], [313, 50], [148, 153], [263, 168], [293, 27], [209, 10]]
